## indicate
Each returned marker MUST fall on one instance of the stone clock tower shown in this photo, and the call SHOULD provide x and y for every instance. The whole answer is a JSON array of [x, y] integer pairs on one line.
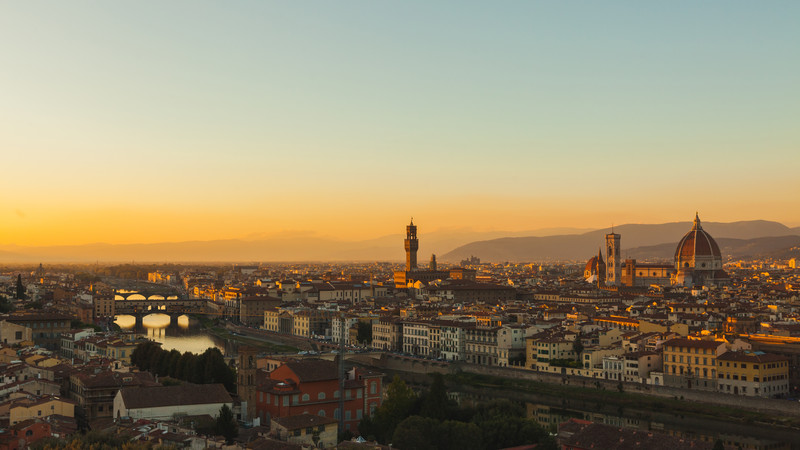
[[613, 263], [412, 244]]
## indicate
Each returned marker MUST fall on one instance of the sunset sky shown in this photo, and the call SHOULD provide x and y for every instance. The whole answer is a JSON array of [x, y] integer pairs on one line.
[[152, 121]]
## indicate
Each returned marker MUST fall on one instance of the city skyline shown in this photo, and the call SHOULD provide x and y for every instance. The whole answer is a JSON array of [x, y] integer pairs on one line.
[[200, 121]]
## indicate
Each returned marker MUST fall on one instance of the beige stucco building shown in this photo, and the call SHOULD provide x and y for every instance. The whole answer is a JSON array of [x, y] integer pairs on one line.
[[164, 402]]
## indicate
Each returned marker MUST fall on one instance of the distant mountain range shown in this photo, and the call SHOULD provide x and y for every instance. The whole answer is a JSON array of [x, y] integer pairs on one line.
[[264, 248], [640, 241], [779, 247]]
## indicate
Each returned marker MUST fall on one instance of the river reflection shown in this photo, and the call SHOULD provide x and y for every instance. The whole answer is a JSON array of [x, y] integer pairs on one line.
[[184, 334], [551, 411]]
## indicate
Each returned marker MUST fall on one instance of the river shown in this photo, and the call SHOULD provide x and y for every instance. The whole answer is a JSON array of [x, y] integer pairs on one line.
[[551, 410], [185, 334]]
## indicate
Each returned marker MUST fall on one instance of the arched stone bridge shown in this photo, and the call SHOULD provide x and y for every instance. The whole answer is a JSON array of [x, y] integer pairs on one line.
[[138, 305]]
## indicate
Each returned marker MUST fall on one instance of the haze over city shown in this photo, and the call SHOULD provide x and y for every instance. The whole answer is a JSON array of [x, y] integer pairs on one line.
[[185, 121]]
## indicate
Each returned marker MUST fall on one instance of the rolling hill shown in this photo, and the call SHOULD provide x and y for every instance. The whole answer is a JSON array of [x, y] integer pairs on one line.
[[657, 239]]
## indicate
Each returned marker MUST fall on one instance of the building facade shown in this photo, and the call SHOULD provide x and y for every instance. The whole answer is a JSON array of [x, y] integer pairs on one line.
[[753, 374]]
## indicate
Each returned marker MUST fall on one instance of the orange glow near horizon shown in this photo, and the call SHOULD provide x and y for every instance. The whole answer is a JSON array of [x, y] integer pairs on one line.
[[143, 226]]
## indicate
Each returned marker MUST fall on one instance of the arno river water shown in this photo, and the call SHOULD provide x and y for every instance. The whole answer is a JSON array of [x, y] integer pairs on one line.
[[549, 411], [184, 334]]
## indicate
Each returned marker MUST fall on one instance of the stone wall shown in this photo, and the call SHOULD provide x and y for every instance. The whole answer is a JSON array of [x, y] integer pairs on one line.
[[420, 366], [764, 405]]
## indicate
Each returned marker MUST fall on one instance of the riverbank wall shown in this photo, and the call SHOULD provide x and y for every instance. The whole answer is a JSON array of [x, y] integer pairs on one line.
[[399, 363]]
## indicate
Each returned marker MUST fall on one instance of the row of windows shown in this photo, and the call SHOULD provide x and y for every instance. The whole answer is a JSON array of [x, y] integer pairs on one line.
[[295, 399], [679, 370], [755, 366], [49, 325], [696, 360], [687, 350], [728, 376], [743, 389]]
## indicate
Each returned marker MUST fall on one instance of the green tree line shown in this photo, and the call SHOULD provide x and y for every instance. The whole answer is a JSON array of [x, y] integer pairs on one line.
[[207, 368], [432, 421]]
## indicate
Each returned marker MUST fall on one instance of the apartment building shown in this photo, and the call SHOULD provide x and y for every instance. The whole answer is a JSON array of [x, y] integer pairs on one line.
[[753, 374]]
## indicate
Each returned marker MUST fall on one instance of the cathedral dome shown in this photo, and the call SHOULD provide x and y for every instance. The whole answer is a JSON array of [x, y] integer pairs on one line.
[[595, 269], [591, 266], [697, 244]]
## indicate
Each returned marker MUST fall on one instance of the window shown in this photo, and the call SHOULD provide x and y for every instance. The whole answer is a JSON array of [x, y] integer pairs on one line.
[[321, 396], [306, 397]]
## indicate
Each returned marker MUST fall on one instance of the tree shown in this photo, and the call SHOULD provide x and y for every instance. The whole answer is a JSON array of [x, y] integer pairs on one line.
[[226, 424], [174, 358], [5, 305], [427, 433], [416, 432], [399, 403], [364, 332], [20, 288], [577, 347], [216, 371], [435, 403], [458, 435], [503, 424], [143, 354]]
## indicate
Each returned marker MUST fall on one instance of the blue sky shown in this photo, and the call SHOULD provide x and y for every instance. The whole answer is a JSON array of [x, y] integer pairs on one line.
[[224, 119]]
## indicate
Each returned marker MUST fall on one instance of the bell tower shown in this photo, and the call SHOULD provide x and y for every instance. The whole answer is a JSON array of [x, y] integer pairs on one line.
[[613, 267], [412, 244], [246, 387]]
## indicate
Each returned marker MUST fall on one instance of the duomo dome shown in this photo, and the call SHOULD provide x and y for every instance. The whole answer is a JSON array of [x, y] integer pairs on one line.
[[698, 259]]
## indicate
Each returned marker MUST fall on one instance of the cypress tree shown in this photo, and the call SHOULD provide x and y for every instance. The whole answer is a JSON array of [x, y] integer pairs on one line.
[[20, 288]]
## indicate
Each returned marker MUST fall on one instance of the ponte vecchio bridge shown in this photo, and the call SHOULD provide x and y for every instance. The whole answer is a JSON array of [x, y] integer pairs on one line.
[[141, 303]]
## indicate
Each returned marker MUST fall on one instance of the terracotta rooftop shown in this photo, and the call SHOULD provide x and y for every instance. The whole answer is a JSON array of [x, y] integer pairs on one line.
[[311, 370], [751, 357], [185, 394], [303, 421], [693, 343]]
